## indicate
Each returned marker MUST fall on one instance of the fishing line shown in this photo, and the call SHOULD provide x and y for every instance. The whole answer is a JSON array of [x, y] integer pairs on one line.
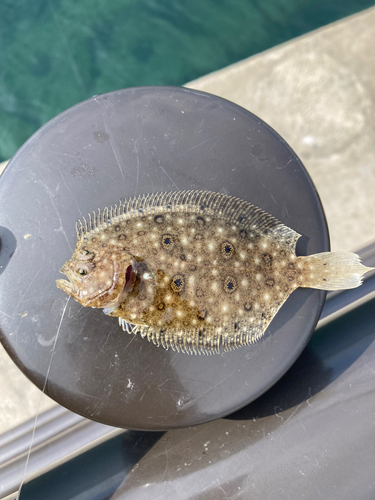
[[41, 397]]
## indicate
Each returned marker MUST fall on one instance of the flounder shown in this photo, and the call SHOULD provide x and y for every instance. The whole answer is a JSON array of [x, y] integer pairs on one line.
[[195, 271]]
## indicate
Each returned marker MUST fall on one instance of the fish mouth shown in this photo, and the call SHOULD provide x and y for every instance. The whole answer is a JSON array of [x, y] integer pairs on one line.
[[66, 285]]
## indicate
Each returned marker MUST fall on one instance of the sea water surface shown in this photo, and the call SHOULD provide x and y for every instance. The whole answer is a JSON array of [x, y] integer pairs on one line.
[[55, 53]]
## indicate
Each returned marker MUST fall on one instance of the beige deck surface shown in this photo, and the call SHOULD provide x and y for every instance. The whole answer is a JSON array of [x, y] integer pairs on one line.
[[2, 166], [318, 92]]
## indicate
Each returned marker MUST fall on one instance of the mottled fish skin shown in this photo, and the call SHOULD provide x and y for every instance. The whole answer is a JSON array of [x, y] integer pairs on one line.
[[195, 271]]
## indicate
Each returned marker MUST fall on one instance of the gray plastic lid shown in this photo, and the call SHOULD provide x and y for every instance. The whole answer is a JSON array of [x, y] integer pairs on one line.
[[117, 145]]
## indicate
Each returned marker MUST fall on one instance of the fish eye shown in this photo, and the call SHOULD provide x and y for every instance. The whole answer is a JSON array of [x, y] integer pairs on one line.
[[81, 271], [85, 254]]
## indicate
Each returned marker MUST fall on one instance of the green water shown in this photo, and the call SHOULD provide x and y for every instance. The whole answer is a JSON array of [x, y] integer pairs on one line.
[[56, 53]]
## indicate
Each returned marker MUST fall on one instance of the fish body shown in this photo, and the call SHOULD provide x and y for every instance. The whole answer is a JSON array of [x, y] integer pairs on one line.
[[195, 271]]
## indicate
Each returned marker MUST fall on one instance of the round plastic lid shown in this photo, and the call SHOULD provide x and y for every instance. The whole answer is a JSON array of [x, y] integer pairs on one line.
[[110, 147]]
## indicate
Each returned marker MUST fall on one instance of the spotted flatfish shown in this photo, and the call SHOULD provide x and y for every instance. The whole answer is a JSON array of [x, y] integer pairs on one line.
[[195, 271]]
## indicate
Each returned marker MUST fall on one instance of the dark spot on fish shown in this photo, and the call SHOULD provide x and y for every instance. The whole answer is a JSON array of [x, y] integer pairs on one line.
[[178, 283], [117, 228], [324, 279], [161, 306], [202, 208], [199, 292], [267, 259], [104, 245], [192, 268], [154, 251], [243, 233], [167, 241], [93, 240], [230, 285], [291, 275], [241, 218], [270, 282], [141, 233], [227, 249], [200, 221], [202, 315], [263, 315], [121, 237], [159, 274], [247, 306], [159, 219], [291, 265], [182, 257]]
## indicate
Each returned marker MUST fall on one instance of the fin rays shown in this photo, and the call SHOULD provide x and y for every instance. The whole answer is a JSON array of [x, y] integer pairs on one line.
[[204, 202], [206, 341]]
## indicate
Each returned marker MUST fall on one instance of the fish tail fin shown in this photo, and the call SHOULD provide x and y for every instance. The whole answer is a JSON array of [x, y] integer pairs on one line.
[[333, 270]]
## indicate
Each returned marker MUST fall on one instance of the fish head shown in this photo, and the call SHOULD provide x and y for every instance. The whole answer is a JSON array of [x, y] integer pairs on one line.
[[98, 279]]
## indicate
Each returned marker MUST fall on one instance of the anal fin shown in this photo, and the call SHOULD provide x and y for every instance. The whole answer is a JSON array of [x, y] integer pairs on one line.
[[127, 327]]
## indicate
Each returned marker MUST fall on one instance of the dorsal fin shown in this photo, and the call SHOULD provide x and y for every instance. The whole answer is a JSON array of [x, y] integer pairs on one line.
[[289, 236], [201, 202]]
